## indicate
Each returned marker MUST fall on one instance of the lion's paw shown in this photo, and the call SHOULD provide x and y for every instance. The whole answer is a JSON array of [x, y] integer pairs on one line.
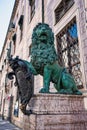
[[44, 90]]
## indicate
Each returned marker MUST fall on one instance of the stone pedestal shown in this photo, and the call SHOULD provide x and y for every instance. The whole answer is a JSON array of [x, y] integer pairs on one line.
[[56, 112]]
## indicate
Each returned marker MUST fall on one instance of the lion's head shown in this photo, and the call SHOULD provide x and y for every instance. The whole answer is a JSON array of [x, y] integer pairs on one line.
[[42, 49], [42, 33]]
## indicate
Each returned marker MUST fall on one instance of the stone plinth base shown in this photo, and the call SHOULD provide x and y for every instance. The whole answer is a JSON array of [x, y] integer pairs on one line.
[[56, 112]]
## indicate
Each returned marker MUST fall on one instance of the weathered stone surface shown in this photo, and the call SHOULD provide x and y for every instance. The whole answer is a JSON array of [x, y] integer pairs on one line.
[[56, 112]]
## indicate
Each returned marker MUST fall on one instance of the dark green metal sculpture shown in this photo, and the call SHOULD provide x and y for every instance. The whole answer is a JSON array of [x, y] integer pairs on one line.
[[24, 82], [44, 60]]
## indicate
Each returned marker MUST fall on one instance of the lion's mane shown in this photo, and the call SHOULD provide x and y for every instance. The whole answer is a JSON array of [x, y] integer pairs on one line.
[[42, 52]]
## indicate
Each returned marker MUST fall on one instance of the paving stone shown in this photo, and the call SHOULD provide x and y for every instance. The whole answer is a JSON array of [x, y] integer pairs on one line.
[[6, 125]]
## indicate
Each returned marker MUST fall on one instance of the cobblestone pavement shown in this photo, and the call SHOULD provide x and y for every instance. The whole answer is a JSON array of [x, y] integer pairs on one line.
[[6, 125]]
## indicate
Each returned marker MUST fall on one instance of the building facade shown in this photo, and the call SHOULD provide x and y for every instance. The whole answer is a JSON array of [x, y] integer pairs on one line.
[[68, 20]]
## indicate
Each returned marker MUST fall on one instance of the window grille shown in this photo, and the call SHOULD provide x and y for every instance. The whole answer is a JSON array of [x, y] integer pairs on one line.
[[32, 8], [14, 41], [21, 20], [62, 8], [29, 50], [68, 51]]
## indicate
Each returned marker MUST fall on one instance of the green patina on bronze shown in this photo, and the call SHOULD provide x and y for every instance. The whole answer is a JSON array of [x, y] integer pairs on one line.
[[44, 62]]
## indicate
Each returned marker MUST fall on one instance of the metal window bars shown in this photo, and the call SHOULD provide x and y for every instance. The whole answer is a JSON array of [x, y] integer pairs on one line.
[[62, 8], [68, 51]]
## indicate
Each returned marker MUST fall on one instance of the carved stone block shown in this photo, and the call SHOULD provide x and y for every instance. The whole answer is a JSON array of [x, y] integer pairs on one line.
[[56, 112]]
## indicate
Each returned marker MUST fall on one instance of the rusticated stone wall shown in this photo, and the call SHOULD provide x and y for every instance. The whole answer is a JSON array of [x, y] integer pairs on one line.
[[56, 112]]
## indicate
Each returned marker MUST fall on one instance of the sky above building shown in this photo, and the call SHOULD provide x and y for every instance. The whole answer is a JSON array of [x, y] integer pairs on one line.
[[6, 7]]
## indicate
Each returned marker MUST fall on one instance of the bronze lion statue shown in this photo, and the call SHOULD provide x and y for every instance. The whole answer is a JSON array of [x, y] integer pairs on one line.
[[44, 59]]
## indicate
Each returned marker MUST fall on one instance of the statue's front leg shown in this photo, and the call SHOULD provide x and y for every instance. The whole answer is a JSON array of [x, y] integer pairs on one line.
[[46, 79]]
